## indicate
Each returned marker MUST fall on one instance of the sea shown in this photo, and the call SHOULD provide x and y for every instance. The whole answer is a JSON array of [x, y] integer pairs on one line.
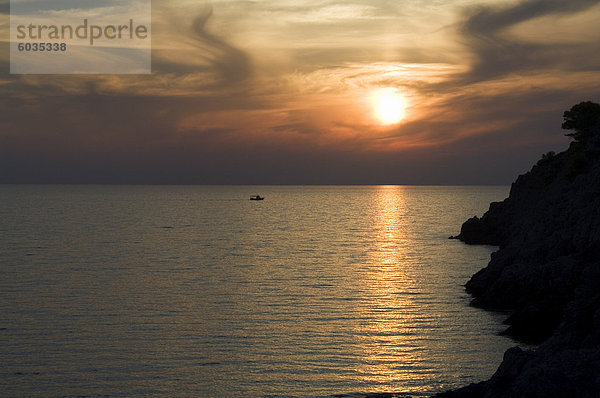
[[197, 291]]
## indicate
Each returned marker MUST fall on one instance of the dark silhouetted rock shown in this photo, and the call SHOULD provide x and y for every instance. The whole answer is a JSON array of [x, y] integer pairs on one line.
[[547, 274]]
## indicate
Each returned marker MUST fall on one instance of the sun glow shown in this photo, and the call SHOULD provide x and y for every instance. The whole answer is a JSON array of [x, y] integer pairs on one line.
[[389, 105]]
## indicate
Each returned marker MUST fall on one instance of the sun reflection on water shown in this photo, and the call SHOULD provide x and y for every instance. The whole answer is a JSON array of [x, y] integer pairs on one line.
[[389, 338]]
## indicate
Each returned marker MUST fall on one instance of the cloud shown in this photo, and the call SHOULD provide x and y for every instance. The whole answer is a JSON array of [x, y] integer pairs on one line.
[[232, 63], [187, 59], [266, 92], [498, 54], [186, 46]]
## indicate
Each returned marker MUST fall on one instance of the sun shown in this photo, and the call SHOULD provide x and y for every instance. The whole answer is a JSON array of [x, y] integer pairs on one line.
[[389, 105]]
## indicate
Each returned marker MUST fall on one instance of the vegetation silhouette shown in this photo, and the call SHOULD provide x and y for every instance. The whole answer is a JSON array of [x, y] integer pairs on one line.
[[582, 118]]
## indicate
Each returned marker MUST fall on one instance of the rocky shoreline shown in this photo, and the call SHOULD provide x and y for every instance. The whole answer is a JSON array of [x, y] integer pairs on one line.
[[546, 273]]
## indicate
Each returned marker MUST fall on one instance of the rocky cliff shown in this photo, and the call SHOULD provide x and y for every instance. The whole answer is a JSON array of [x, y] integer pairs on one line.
[[547, 274]]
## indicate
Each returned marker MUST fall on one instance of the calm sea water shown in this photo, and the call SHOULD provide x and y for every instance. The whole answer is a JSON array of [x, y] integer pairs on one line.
[[198, 291]]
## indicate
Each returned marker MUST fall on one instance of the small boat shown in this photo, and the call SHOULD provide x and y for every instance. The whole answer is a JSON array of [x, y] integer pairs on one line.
[[256, 197]]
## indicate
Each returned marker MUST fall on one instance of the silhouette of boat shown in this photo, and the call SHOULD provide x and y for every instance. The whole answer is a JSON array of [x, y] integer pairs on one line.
[[256, 197]]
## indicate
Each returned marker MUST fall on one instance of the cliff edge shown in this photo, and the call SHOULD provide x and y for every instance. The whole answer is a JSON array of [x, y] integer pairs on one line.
[[546, 273]]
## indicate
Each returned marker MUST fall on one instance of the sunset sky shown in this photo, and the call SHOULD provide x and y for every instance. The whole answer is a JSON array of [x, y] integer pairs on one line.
[[313, 92]]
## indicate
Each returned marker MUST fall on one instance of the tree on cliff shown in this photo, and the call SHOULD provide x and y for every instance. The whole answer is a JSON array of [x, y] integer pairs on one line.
[[582, 118]]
